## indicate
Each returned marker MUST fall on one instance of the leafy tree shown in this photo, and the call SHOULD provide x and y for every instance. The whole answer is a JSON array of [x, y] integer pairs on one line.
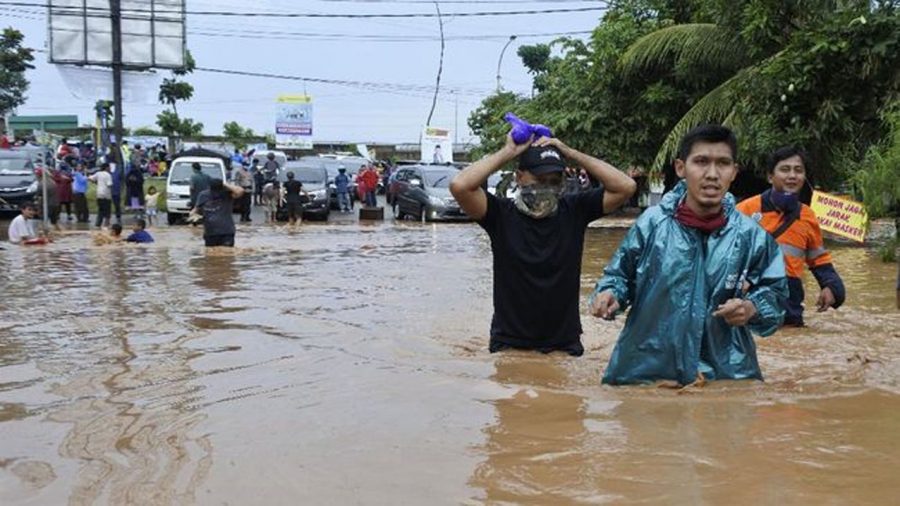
[[171, 124], [148, 131], [14, 61], [810, 72], [172, 91], [583, 98], [487, 121], [236, 134]]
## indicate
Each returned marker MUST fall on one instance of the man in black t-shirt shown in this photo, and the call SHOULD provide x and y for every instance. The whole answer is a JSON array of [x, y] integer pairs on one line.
[[216, 205], [293, 198], [537, 240]]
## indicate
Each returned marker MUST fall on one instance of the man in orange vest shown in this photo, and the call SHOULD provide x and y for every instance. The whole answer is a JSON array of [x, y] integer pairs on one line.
[[796, 229]]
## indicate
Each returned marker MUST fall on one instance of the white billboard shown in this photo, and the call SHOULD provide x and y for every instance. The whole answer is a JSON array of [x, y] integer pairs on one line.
[[437, 146], [294, 122], [80, 33]]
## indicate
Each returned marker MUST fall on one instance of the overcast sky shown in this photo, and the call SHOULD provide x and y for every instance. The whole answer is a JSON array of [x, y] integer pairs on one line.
[[354, 50]]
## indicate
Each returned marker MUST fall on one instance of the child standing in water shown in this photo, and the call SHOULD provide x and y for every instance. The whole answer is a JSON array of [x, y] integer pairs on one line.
[[151, 202]]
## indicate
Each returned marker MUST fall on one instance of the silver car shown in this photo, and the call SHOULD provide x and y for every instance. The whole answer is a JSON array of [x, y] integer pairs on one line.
[[422, 192]]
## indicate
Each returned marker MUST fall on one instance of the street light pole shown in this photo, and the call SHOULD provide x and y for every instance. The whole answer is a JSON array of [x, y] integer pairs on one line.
[[500, 61]]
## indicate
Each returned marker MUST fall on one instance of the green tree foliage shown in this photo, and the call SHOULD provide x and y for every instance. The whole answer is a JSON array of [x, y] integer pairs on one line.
[[14, 61], [487, 121], [818, 73], [172, 91], [148, 131], [236, 134], [171, 124], [878, 174], [808, 72]]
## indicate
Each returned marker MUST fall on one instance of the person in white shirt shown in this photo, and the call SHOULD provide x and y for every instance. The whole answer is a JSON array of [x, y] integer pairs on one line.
[[104, 194], [21, 229]]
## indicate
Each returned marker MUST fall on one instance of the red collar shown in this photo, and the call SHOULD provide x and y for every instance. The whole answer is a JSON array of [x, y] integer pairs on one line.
[[706, 224]]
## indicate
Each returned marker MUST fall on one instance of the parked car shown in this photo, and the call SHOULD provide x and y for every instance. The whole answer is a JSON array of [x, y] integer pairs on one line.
[[315, 184], [40, 156], [178, 183], [17, 180], [422, 192], [331, 165]]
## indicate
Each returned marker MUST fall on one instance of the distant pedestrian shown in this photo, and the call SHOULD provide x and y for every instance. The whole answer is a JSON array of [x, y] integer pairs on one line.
[[259, 181], [118, 180], [293, 196], [135, 186], [103, 179], [216, 205], [369, 179], [271, 199], [52, 195], [237, 157], [151, 200], [79, 193], [139, 233], [63, 179], [243, 179], [271, 168], [342, 188]]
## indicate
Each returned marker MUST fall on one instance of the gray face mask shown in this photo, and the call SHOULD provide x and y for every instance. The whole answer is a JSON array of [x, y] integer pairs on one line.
[[538, 200]]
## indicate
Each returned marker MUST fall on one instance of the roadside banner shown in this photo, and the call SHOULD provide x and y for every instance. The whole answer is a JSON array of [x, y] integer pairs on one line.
[[294, 122], [437, 146], [840, 216]]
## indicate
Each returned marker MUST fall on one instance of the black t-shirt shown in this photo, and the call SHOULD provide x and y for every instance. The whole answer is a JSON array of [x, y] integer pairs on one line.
[[292, 191], [217, 209], [537, 272]]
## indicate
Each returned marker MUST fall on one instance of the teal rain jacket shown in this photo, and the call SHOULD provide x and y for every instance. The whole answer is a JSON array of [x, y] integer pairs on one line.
[[674, 278]]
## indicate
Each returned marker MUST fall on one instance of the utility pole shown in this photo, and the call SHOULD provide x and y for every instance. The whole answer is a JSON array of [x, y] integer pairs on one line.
[[500, 60], [455, 117], [115, 10]]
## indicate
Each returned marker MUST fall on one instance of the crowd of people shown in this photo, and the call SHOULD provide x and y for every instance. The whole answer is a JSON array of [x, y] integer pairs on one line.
[[699, 272]]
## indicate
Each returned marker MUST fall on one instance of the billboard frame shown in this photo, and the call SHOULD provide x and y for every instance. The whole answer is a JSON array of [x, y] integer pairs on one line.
[[62, 15]]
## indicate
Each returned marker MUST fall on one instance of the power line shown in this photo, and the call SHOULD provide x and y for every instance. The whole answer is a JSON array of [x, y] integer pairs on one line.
[[356, 84], [129, 13]]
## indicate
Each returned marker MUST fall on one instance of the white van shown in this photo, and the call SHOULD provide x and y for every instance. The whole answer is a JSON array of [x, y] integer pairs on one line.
[[178, 184]]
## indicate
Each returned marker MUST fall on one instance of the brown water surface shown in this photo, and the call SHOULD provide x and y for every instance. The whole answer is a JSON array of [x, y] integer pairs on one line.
[[347, 363]]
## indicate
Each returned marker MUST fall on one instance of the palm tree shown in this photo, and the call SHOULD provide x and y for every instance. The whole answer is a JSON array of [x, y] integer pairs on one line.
[[703, 48], [728, 54]]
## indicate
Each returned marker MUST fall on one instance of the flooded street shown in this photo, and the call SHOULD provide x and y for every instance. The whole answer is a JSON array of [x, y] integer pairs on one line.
[[347, 363]]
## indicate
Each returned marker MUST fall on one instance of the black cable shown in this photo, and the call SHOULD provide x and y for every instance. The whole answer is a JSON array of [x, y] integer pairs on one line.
[[128, 13]]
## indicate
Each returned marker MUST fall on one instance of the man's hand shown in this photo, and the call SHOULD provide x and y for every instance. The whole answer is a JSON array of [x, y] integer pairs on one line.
[[605, 305], [566, 151], [511, 150], [736, 312], [826, 300]]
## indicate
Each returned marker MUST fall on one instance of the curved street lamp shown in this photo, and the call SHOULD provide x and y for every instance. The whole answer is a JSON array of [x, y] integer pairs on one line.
[[500, 61]]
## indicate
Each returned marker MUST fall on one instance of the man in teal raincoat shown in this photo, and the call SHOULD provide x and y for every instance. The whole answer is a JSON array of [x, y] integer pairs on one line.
[[698, 275]]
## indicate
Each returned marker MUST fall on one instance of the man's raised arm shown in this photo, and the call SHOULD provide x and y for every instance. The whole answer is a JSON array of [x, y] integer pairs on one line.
[[466, 186]]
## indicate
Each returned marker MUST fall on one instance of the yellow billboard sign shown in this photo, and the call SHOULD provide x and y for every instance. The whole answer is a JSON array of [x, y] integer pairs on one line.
[[840, 216]]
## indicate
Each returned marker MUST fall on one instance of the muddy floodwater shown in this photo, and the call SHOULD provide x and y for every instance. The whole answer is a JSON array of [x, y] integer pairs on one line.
[[347, 363]]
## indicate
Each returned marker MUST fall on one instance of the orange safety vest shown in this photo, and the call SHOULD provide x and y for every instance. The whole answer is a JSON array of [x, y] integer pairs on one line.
[[801, 243]]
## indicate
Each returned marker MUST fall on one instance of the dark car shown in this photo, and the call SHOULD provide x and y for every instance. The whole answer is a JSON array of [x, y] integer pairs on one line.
[[17, 181], [422, 192], [317, 203], [331, 165]]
